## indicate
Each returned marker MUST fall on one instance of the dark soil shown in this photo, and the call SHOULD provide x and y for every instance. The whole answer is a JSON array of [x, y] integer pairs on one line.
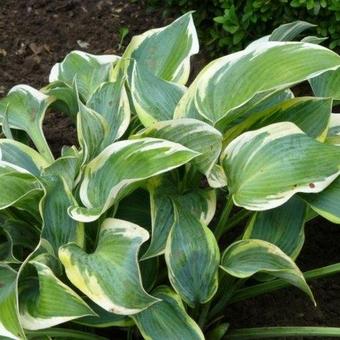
[[35, 34]]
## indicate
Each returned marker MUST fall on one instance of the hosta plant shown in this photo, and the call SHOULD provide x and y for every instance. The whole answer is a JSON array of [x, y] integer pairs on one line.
[[127, 228]]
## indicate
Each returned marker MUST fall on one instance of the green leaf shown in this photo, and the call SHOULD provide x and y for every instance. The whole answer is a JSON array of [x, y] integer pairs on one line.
[[63, 333], [90, 71], [50, 302], [162, 217], [192, 257], [282, 226], [149, 270], [218, 332], [66, 167], [201, 203], [232, 81], [266, 167], [241, 118], [310, 114], [110, 100], [127, 163], [245, 258], [110, 276], [313, 39], [9, 317], [26, 107], [333, 134], [16, 185], [21, 155], [290, 31], [259, 41], [92, 129], [104, 319], [65, 98], [6, 247], [326, 202], [166, 51], [327, 84], [22, 236], [217, 177], [154, 99], [58, 227], [5, 128], [167, 319], [135, 208], [193, 134]]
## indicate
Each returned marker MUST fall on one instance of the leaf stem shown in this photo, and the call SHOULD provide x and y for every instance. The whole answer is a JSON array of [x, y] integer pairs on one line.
[[191, 178], [267, 287], [279, 332], [230, 286], [40, 142], [63, 333], [204, 314], [236, 219], [222, 223]]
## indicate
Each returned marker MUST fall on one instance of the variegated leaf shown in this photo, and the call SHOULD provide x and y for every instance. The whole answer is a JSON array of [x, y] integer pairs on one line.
[[16, 184], [65, 98], [66, 167], [128, 163], [327, 84], [245, 258], [25, 108], [110, 100], [167, 319], [150, 51], [285, 32], [154, 99], [282, 226], [48, 302], [10, 327], [250, 111], [333, 134], [193, 134], [90, 71], [110, 276], [266, 167], [290, 31], [58, 227], [199, 202], [232, 81], [310, 114], [22, 156], [92, 129], [326, 202]]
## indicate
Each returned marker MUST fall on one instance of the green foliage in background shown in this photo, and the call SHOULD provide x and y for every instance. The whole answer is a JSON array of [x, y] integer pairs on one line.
[[229, 25]]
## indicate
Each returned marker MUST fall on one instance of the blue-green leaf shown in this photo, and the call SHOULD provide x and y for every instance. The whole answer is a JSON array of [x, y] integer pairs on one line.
[[192, 257]]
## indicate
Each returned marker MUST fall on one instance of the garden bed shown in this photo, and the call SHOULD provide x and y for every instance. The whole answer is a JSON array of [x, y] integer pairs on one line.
[[35, 34]]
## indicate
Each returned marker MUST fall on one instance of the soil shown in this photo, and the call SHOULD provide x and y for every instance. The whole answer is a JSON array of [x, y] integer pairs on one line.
[[35, 34]]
